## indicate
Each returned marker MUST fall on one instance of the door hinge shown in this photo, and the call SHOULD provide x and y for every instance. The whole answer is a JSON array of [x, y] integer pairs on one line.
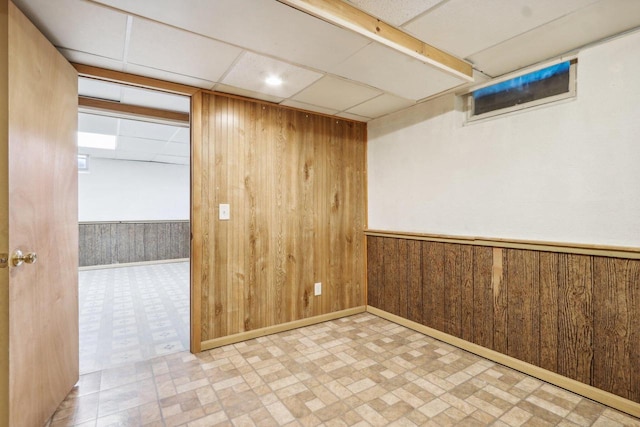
[[4, 260]]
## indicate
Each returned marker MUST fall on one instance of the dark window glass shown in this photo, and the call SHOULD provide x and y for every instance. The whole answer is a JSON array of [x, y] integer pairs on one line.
[[550, 81]]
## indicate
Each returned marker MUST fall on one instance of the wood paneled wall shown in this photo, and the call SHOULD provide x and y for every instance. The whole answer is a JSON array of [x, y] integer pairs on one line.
[[295, 183], [576, 315], [105, 243]]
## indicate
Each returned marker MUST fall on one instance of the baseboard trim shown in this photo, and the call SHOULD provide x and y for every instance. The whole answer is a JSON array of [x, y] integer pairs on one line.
[[269, 330], [132, 264], [593, 393]]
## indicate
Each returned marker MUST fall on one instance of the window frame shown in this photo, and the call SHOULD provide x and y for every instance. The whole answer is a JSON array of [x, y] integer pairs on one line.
[[571, 93]]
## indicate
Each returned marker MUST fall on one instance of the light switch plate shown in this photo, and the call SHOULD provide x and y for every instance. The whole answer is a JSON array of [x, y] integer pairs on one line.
[[224, 213], [317, 290]]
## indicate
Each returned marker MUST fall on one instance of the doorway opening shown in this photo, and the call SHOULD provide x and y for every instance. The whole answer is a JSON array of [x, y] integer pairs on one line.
[[134, 230]]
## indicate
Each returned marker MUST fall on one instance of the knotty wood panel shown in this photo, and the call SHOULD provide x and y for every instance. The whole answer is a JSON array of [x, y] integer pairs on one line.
[[375, 279], [482, 297], [617, 335], [397, 270], [500, 300], [122, 242], [576, 315], [295, 185], [549, 270], [523, 305], [575, 319], [432, 285], [414, 281]]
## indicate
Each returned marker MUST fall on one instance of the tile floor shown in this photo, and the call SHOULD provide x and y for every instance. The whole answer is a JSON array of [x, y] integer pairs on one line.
[[129, 314], [356, 371]]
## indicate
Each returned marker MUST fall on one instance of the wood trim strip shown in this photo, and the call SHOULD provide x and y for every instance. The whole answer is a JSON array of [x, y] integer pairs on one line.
[[197, 142], [344, 15], [559, 247], [282, 327], [102, 105], [133, 80], [582, 389]]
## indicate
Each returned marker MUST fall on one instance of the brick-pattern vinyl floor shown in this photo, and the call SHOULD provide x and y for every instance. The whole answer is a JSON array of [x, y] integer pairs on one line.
[[356, 371]]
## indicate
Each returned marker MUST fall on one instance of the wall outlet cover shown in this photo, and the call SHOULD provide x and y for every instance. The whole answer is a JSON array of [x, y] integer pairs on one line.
[[317, 290]]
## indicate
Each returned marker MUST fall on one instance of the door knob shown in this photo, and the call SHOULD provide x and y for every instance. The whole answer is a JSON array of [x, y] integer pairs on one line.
[[18, 258]]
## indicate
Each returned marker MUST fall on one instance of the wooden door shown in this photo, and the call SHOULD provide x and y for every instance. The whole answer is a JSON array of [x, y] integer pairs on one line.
[[42, 219]]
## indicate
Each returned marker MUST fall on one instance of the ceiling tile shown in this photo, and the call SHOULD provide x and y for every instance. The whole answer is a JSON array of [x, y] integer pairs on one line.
[[97, 152], [353, 117], [155, 99], [464, 27], [79, 25], [93, 123], [147, 130], [246, 93], [92, 60], [126, 143], [183, 136], [99, 89], [171, 159], [140, 156], [394, 12], [308, 107], [165, 48], [336, 94], [176, 149], [251, 71], [268, 27], [587, 25], [395, 72], [168, 76], [381, 105]]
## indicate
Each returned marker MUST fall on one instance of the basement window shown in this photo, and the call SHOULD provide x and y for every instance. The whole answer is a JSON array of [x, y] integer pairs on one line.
[[83, 163], [549, 84]]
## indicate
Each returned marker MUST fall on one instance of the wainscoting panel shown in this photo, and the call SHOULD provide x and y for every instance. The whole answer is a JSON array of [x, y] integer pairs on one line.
[[295, 182], [577, 315], [105, 243]]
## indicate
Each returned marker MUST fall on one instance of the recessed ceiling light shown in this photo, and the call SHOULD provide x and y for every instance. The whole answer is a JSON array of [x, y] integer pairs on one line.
[[273, 81], [96, 140]]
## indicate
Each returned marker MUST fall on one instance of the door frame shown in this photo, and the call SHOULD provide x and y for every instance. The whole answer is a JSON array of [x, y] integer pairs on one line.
[[133, 80]]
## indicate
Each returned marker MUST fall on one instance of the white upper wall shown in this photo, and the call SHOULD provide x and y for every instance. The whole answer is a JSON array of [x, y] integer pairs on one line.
[[122, 190], [566, 172]]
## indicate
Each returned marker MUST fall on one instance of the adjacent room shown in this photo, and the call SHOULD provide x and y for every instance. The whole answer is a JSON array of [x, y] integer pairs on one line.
[[133, 212], [409, 213]]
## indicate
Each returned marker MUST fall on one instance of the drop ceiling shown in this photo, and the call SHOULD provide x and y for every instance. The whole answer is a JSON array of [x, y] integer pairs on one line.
[[148, 140], [232, 45]]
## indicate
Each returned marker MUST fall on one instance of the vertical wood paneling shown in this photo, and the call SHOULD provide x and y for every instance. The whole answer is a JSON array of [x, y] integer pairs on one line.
[[414, 281], [123, 242], [375, 265], [433, 285], [523, 304], [296, 188], [549, 310], [393, 268], [403, 277], [198, 231], [575, 317], [452, 290], [466, 292], [500, 311], [616, 294], [482, 297]]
